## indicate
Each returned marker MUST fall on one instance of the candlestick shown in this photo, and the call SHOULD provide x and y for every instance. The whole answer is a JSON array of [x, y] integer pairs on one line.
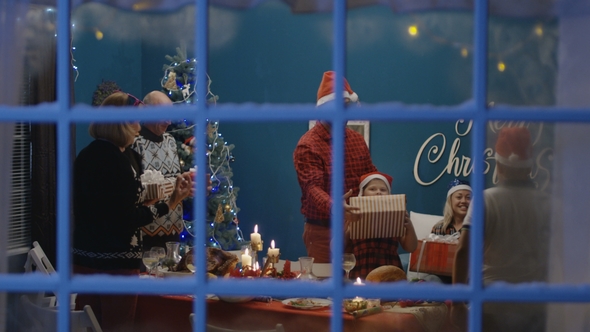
[[269, 265], [246, 259], [272, 251], [255, 237]]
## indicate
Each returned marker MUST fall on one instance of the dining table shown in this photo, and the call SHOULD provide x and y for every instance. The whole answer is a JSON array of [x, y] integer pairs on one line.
[[171, 313]]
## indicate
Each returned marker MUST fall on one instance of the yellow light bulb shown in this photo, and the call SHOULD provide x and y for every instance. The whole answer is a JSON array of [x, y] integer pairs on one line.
[[98, 34], [501, 66], [464, 52], [539, 30], [413, 30]]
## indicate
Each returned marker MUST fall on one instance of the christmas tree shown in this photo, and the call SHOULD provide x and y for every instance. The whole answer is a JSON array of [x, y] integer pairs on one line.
[[103, 90], [179, 83]]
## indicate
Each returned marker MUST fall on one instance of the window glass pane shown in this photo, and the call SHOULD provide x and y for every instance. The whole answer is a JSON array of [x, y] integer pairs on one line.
[[279, 51], [529, 316], [534, 202], [35, 312], [30, 31], [31, 188], [425, 169], [413, 58], [536, 54], [522, 60], [134, 46]]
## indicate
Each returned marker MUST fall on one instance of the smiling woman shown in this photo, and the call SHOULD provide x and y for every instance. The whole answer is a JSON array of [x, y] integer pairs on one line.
[[456, 205]]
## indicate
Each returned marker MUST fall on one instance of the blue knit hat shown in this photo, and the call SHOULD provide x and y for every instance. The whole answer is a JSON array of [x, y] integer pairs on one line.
[[457, 184]]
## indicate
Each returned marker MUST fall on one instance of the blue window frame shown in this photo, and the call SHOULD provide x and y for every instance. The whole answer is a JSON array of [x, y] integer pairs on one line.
[[63, 115]]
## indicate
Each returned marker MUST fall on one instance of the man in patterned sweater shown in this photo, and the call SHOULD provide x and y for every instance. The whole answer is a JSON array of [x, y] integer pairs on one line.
[[158, 151]]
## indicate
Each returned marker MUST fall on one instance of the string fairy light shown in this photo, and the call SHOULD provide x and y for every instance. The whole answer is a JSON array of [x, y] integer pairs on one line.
[[413, 30], [465, 48]]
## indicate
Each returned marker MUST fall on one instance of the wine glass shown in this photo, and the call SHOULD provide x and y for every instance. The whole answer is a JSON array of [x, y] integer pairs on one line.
[[348, 263], [150, 260], [159, 253]]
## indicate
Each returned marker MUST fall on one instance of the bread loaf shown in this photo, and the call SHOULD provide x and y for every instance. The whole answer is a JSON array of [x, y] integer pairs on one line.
[[386, 273]]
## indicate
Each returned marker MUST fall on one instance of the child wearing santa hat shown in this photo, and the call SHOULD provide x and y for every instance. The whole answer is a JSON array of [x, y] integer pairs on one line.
[[373, 253]]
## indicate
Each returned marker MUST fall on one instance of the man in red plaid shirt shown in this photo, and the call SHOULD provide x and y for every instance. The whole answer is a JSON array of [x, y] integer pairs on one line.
[[313, 164]]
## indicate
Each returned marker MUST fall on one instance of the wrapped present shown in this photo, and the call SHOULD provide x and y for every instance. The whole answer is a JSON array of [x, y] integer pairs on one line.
[[155, 186], [381, 217], [434, 256]]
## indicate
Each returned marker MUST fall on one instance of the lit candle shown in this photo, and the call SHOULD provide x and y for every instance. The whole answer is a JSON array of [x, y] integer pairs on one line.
[[272, 251], [246, 259], [358, 282], [255, 237]]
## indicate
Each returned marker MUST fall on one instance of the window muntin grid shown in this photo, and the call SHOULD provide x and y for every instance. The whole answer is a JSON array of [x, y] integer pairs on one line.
[[64, 115]]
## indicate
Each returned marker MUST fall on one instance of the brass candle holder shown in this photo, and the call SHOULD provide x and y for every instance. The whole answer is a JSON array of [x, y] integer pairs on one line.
[[255, 247], [269, 265]]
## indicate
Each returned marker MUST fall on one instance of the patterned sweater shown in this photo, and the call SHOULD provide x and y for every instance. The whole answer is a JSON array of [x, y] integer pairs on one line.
[[159, 154]]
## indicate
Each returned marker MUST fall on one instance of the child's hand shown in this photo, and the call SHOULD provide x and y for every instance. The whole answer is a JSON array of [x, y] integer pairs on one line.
[[351, 213], [408, 221]]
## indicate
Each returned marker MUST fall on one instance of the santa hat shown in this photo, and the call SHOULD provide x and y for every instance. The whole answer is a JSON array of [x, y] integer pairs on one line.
[[457, 185], [514, 148], [365, 179], [326, 89]]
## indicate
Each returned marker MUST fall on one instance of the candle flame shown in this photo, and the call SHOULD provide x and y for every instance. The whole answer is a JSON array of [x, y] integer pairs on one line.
[[246, 251], [358, 280], [272, 244], [255, 228]]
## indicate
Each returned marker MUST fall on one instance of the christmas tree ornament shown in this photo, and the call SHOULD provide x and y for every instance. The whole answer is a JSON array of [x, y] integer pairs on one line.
[[219, 215], [171, 82]]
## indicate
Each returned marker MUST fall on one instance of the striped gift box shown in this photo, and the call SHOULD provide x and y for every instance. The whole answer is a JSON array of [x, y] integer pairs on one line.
[[433, 257], [381, 217]]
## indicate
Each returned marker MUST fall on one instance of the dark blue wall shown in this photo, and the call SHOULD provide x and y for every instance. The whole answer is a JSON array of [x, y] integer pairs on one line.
[[274, 56]]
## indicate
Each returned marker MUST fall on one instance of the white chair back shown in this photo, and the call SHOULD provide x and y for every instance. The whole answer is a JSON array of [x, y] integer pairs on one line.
[[45, 318], [37, 261]]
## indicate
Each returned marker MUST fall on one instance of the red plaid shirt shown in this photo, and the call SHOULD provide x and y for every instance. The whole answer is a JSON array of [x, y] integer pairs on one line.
[[313, 163], [373, 253]]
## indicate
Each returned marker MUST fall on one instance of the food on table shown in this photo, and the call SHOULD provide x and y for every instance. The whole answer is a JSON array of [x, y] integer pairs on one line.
[[386, 273], [303, 302], [219, 262], [351, 305]]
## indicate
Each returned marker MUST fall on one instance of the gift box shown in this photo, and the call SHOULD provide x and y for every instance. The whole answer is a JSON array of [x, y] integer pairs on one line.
[[381, 216], [155, 186], [433, 257]]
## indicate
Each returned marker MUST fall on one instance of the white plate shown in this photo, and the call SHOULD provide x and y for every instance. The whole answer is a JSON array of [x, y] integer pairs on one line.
[[314, 303]]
